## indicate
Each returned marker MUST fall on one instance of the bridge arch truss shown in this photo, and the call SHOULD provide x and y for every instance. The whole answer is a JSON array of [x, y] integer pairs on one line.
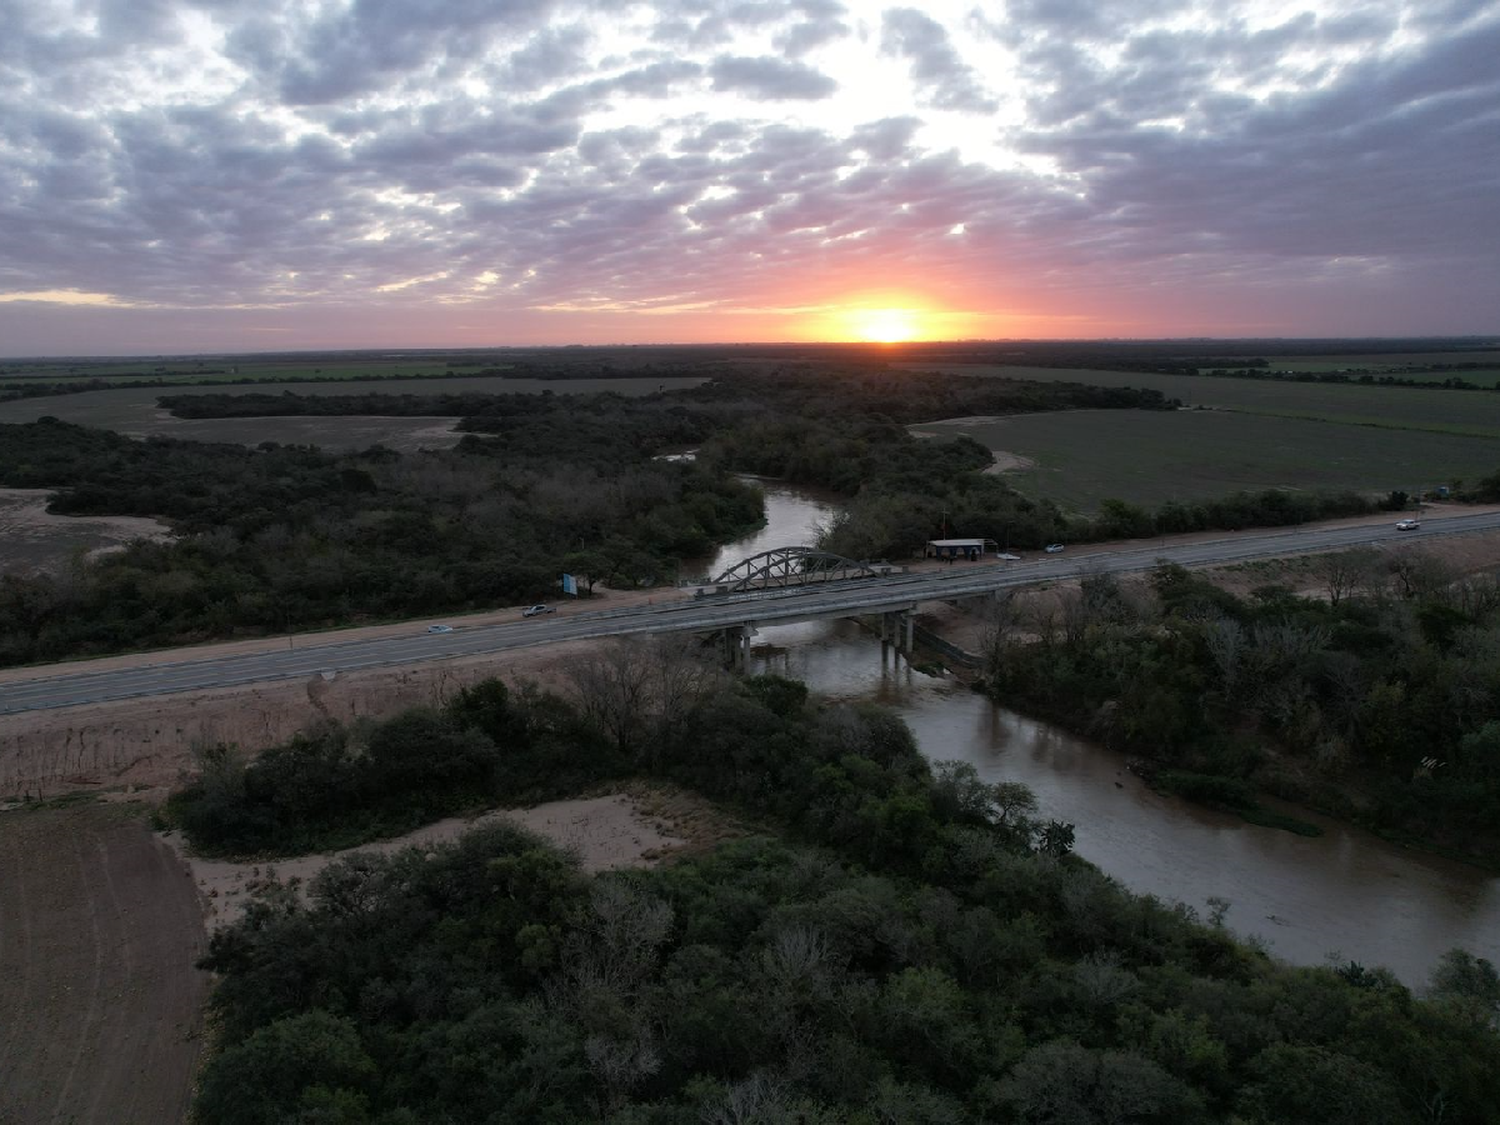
[[793, 566]]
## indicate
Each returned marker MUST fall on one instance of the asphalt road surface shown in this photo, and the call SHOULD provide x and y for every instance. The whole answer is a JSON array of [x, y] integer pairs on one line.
[[70, 687]]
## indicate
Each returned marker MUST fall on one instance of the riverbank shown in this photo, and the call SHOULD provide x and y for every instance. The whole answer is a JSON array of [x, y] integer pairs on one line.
[[960, 636]]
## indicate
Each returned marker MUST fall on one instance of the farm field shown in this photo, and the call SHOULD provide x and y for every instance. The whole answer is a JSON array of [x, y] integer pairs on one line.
[[1474, 413], [100, 1002], [134, 411], [1079, 458]]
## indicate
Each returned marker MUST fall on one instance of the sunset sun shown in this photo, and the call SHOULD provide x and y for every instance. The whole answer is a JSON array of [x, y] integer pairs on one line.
[[885, 326]]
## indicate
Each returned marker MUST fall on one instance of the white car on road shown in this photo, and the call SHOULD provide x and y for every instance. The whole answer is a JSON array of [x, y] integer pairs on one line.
[[538, 610], [1053, 548], [1408, 525]]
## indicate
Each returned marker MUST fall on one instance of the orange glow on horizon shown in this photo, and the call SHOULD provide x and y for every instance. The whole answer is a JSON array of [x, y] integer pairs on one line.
[[887, 326]]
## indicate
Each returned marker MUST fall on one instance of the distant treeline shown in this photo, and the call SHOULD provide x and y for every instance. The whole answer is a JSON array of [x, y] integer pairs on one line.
[[805, 391], [1366, 378], [10, 392]]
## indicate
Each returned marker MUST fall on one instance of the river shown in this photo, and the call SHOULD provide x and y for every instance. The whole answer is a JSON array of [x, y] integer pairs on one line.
[[1346, 893]]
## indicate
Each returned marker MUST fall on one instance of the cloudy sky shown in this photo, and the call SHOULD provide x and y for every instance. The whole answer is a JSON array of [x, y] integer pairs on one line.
[[181, 176]]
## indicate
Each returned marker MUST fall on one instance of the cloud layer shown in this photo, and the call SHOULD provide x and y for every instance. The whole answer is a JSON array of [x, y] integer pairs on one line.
[[181, 176]]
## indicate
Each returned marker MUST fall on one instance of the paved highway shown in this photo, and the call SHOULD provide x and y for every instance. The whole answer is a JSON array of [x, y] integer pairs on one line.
[[70, 686]]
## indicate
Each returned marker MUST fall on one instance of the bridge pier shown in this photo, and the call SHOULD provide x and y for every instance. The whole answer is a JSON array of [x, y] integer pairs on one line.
[[896, 628], [737, 646]]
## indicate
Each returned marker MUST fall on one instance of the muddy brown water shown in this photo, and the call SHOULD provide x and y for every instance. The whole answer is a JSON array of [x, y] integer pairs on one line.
[[1346, 894]]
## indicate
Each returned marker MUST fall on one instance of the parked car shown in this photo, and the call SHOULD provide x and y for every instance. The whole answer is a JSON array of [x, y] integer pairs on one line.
[[1408, 525], [1053, 548], [538, 610], [440, 628]]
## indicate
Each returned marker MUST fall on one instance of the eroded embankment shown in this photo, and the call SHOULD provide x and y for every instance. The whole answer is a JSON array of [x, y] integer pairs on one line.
[[151, 742]]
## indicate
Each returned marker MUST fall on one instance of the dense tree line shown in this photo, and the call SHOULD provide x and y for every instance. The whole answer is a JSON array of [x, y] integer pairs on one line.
[[1377, 700], [832, 392], [922, 492], [286, 537], [916, 949], [10, 391], [1367, 378]]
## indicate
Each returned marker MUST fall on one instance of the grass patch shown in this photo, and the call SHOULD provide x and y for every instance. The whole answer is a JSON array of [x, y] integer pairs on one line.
[[1080, 458], [1400, 407], [1268, 819], [1229, 794]]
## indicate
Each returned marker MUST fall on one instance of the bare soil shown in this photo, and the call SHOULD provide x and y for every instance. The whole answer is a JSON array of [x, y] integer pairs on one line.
[[624, 829], [102, 922], [32, 539], [100, 1005]]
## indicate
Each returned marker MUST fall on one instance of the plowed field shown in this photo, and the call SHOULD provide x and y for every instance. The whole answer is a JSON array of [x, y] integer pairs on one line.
[[100, 1005]]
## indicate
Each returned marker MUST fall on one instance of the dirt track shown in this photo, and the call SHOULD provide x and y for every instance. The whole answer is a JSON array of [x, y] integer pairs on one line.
[[100, 1005]]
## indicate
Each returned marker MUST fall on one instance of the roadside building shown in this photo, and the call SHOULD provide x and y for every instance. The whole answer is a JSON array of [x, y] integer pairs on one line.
[[971, 549]]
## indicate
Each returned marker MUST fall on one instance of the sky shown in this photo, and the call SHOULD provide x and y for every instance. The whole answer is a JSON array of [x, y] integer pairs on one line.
[[269, 175]]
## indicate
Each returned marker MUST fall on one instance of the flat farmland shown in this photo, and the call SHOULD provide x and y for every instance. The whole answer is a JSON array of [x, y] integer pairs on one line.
[[1079, 458], [1473, 413], [226, 371], [134, 411]]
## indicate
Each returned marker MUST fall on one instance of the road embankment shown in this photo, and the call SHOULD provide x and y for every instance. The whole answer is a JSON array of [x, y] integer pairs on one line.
[[150, 742]]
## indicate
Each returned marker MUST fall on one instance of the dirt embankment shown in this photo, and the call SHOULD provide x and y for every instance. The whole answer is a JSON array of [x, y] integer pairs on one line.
[[151, 742]]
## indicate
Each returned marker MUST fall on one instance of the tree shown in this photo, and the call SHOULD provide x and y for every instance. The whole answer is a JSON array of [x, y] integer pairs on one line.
[[591, 566], [1347, 572], [1468, 985], [304, 1062], [1056, 838], [1061, 1083], [639, 693], [1300, 1082]]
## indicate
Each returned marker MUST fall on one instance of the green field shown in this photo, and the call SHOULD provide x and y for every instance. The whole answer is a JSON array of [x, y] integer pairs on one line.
[[1472, 413], [1079, 458]]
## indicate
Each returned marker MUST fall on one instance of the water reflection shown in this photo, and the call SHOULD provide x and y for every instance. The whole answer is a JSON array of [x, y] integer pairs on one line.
[[792, 517], [1345, 892]]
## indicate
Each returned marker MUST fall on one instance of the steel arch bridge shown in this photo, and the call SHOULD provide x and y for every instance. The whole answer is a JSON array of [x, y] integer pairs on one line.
[[793, 566]]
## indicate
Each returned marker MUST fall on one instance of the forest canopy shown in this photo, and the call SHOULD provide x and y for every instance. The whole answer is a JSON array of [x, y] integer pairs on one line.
[[905, 943]]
